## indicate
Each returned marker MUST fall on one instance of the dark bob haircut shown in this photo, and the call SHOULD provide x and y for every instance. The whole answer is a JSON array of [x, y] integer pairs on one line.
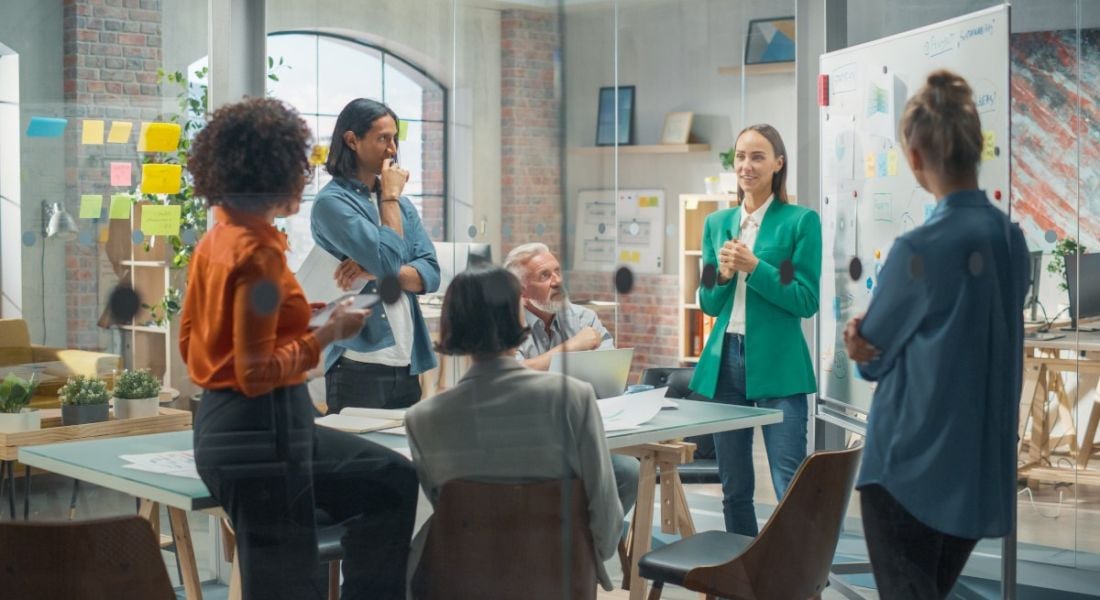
[[252, 155], [357, 117], [481, 313]]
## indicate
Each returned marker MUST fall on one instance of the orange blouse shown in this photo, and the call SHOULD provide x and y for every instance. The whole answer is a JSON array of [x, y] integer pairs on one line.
[[245, 321]]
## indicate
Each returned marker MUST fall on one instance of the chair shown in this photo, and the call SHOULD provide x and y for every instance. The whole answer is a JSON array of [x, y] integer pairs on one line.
[[498, 540], [17, 351], [791, 557], [704, 467], [329, 550], [117, 558]]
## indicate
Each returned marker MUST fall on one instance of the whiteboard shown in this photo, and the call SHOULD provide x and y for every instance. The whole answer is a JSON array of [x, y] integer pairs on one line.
[[620, 229], [868, 194]]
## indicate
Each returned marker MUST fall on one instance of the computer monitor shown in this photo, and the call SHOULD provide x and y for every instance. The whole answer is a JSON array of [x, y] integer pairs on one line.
[[456, 257], [1083, 280]]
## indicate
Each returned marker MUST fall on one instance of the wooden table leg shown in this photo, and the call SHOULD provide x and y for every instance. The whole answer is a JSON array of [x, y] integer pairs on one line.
[[1085, 452], [643, 522], [1027, 400], [185, 553]]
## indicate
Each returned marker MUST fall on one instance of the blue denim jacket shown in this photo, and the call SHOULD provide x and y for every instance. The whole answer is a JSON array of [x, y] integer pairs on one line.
[[345, 222], [947, 317]]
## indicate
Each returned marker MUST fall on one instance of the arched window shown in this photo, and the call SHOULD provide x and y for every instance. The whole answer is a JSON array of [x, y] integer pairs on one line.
[[319, 73]]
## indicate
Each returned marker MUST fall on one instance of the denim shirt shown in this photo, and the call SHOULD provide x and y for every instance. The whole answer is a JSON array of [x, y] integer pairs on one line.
[[345, 222], [947, 317]]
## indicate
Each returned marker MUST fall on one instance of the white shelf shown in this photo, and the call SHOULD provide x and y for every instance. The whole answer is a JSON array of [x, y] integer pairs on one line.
[[689, 359], [651, 149], [693, 252], [145, 263], [144, 328], [765, 69]]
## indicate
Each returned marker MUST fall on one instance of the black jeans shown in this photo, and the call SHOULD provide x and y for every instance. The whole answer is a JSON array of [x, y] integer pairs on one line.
[[366, 385], [270, 468], [911, 560]]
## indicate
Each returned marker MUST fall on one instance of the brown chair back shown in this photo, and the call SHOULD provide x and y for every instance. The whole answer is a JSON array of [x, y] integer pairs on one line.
[[15, 342], [792, 555], [497, 540], [103, 559]]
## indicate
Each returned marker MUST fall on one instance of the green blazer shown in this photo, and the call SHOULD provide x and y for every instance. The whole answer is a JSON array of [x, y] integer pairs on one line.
[[777, 361]]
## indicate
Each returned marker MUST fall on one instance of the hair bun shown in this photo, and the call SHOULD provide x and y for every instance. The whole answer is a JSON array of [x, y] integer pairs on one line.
[[940, 79]]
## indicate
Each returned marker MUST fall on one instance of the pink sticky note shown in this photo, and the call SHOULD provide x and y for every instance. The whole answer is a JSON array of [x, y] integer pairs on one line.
[[121, 173]]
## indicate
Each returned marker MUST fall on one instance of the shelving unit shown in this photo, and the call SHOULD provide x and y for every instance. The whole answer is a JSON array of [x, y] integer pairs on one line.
[[694, 209], [651, 149], [146, 345], [765, 69]]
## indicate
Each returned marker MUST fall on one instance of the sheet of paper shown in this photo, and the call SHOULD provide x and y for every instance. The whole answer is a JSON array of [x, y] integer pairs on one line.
[[91, 134], [158, 219], [631, 410], [120, 206], [394, 430], [122, 174], [46, 127], [178, 463], [354, 424], [159, 137], [160, 179], [91, 205], [120, 132], [392, 414], [315, 276]]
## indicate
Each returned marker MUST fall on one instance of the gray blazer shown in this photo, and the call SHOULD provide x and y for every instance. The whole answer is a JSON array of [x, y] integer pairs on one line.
[[504, 422]]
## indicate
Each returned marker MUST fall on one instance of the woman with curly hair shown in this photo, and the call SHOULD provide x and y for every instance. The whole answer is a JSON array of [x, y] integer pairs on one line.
[[246, 339]]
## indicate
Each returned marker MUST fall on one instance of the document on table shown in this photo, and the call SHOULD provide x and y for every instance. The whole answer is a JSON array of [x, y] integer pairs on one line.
[[178, 463], [630, 411], [362, 420]]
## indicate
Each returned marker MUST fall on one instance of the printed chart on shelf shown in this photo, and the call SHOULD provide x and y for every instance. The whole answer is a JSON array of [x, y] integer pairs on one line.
[[620, 229], [869, 195]]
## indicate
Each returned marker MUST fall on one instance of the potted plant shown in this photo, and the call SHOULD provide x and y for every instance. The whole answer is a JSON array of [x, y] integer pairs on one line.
[[84, 400], [1057, 266], [15, 394], [727, 179], [137, 394]]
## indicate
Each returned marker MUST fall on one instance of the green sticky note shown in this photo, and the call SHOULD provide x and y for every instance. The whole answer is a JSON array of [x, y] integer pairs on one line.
[[90, 206], [158, 219], [402, 130], [120, 206]]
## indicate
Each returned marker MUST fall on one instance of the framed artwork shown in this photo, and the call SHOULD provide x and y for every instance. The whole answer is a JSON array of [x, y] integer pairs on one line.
[[606, 119], [770, 41], [677, 128]]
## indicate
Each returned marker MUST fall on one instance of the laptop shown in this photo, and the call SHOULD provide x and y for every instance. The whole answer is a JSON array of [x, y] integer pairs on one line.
[[606, 370]]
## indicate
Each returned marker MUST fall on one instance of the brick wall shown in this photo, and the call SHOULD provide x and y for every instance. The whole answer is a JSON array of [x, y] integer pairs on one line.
[[111, 54], [531, 171], [432, 152]]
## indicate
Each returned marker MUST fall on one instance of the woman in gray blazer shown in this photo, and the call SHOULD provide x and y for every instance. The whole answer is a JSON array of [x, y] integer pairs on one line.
[[505, 422]]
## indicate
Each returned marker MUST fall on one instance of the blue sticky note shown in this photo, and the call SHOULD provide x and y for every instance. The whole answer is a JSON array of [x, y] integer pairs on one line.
[[46, 127], [881, 165]]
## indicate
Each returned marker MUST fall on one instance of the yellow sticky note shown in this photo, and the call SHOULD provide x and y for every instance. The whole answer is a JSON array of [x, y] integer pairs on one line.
[[160, 179], [104, 234], [402, 130], [159, 137], [989, 142], [892, 162], [624, 255], [90, 206], [869, 166], [319, 155], [635, 256], [643, 201], [120, 132], [158, 219], [92, 132], [120, 206]]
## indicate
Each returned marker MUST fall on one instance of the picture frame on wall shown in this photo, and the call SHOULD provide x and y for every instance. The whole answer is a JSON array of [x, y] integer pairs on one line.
[[606, 118], [677, 129], [770, 41]]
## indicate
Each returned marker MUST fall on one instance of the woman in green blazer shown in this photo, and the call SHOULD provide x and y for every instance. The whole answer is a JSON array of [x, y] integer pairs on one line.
[[762, 264]]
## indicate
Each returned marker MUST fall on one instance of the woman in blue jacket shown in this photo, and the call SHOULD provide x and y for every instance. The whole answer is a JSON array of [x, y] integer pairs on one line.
[[943, 337]]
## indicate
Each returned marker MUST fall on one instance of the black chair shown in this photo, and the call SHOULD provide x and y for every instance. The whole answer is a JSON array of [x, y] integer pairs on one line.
[[790, 558], [329, 549], [704, 469]]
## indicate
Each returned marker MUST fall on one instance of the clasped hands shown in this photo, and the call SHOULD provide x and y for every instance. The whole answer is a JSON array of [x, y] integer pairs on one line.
[[859, 349], [735, 256]]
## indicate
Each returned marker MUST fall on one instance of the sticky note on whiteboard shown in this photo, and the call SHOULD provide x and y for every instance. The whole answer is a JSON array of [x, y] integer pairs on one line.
[[120, 132], [160, 179], [159, 137], [120, 206], [91, 205], [989, 144], [91, 133], [158, 219]]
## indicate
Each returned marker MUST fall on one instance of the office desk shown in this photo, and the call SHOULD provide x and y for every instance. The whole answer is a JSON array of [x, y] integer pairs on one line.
[[1044, 363], [98, 462]]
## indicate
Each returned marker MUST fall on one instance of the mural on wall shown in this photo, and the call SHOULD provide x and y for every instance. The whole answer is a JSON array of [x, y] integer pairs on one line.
[[1053, 185]]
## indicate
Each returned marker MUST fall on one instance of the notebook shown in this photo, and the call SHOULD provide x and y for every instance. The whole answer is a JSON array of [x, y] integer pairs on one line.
[[362, 420]]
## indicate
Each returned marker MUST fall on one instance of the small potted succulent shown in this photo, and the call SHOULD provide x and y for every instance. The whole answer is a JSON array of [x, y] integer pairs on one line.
[[137, 394], [84, 400], [15, 395]]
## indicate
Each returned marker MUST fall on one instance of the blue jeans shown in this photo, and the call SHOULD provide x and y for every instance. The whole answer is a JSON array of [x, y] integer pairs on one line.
[[785, 442]]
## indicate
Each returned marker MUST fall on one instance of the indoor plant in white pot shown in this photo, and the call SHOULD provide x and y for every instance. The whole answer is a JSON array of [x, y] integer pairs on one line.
[[15, 394], [84, 400], [137, 394]]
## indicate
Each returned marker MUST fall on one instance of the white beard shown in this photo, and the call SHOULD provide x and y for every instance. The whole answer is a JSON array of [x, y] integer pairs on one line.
[[551, 306]]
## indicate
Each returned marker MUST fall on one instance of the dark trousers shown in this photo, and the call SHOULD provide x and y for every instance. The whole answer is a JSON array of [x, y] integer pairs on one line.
[[270, 468], [911, 560], [365, 385]]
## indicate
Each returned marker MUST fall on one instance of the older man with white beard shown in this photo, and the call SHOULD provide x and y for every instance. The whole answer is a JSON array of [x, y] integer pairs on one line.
[[557, 325]]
